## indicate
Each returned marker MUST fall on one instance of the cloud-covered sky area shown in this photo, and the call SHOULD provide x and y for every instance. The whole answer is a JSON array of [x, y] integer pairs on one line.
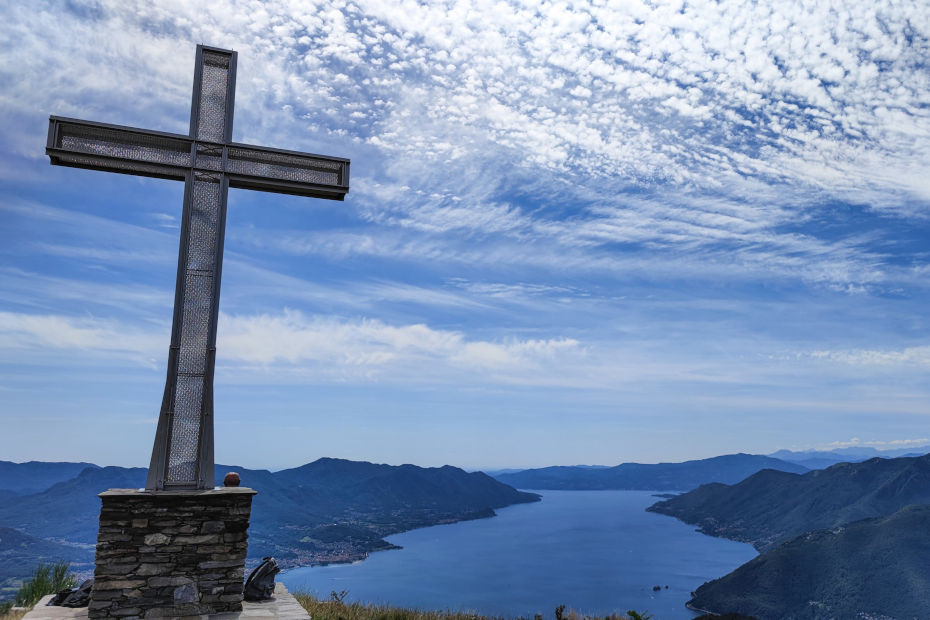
[[577, 232]]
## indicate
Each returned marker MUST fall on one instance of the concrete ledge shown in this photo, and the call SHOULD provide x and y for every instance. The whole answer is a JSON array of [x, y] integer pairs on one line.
[[283, 606]]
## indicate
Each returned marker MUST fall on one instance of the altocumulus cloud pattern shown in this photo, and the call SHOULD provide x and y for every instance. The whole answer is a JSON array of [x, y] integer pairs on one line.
[[675, 210]]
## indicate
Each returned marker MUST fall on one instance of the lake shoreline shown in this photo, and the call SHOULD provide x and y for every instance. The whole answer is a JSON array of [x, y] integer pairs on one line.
[[597, 552]]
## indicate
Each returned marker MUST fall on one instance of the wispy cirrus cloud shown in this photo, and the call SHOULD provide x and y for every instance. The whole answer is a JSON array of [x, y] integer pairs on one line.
[[910, 356], [318, 348], [47, 335], [293, 347], [879, 444]]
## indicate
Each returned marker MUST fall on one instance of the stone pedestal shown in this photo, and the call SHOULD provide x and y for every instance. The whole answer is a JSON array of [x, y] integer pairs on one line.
[[170, 553]]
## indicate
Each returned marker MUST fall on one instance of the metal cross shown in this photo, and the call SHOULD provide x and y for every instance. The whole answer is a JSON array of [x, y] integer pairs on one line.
[[209, 163]]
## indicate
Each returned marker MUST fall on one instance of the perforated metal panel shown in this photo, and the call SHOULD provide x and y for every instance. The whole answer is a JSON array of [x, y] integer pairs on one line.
[[117, 165], [284, 166], [211, 125], [198, 300], [209, 157], [118, 149], [195, 328], [124, 145], [201, 253], [185, 431]]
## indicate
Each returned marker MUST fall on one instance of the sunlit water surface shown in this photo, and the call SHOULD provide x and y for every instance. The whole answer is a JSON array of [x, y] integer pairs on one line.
[[597, 552]]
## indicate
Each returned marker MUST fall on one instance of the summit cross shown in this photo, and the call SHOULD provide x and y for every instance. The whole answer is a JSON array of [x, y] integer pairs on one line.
[[209, 163]]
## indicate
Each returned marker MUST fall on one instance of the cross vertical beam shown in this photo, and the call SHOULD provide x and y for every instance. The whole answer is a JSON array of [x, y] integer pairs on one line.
[[209, 163], [182, 456]]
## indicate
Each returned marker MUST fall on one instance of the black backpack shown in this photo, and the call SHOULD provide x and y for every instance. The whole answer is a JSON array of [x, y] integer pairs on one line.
[[74, 597], [260, 584]]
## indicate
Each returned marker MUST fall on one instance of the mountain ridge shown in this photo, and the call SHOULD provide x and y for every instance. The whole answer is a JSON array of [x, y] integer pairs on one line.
[[821, 459], [871, 568], [769, 507], [330, 510], [36, 476], [682, 476]]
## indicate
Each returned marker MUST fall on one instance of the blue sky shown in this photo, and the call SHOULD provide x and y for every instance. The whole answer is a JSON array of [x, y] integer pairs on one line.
[[576, 233]]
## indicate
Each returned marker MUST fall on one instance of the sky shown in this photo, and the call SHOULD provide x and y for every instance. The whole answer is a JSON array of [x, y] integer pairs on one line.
[[577, 232]]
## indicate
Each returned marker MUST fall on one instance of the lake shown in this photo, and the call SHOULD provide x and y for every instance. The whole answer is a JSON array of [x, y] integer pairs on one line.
[[597, 552]]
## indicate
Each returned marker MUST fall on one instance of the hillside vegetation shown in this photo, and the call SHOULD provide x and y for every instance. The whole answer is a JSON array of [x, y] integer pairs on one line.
[[331, 510], [21, 553], [772, 506], [874, 568]]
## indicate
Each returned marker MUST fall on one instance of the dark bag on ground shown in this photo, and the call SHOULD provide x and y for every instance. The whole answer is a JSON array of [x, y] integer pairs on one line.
[[73, 597], [260, 584]]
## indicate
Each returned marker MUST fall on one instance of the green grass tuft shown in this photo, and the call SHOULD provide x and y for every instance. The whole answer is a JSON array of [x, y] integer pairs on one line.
[[336, 608], [47, 579]]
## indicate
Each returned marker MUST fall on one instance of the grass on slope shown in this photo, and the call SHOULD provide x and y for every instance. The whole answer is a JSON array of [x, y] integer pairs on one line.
[[12, 615], [336, 608]]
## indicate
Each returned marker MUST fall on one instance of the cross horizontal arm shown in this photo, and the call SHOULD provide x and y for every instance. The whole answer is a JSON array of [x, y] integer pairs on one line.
[[113, 148], [287, 172], [100, 146]]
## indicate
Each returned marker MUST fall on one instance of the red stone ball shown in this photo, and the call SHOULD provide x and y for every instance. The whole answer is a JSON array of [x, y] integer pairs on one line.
[[231, 479]]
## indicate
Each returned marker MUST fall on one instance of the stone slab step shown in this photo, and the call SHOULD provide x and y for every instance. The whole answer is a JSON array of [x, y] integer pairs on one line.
[[283, 606]]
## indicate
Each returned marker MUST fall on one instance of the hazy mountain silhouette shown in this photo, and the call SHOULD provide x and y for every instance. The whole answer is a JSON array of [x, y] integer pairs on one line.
[[70, 509], [821, 459], [36, 476], [727, 469]]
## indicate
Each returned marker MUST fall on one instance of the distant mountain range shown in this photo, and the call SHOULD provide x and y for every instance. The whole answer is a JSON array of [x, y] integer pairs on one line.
[[875, 568], [36, 476], [836, 543], [68, 510], [727, 469], [331, 510], [821, 459]]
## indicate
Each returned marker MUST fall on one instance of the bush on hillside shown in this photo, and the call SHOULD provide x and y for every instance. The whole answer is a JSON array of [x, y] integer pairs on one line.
[[47, 579]]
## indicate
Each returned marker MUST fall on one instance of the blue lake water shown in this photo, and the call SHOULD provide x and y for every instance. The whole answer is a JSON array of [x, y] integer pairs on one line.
[[597, 552]]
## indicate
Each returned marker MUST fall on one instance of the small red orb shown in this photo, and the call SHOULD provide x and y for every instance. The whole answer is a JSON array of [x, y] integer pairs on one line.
[[231, 479]]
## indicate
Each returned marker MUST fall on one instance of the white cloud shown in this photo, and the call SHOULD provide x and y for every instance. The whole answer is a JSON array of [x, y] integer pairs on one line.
[[316, 348], [749, 116], [879, 444], [909, 356], [643, 90], [51, 333], [327, 348]]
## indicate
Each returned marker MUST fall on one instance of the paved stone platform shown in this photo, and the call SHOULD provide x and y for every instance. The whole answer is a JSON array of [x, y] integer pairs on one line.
[[283, 606]]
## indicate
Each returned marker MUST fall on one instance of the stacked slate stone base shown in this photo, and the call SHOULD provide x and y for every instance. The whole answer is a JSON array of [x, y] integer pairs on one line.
[[170, 553]]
